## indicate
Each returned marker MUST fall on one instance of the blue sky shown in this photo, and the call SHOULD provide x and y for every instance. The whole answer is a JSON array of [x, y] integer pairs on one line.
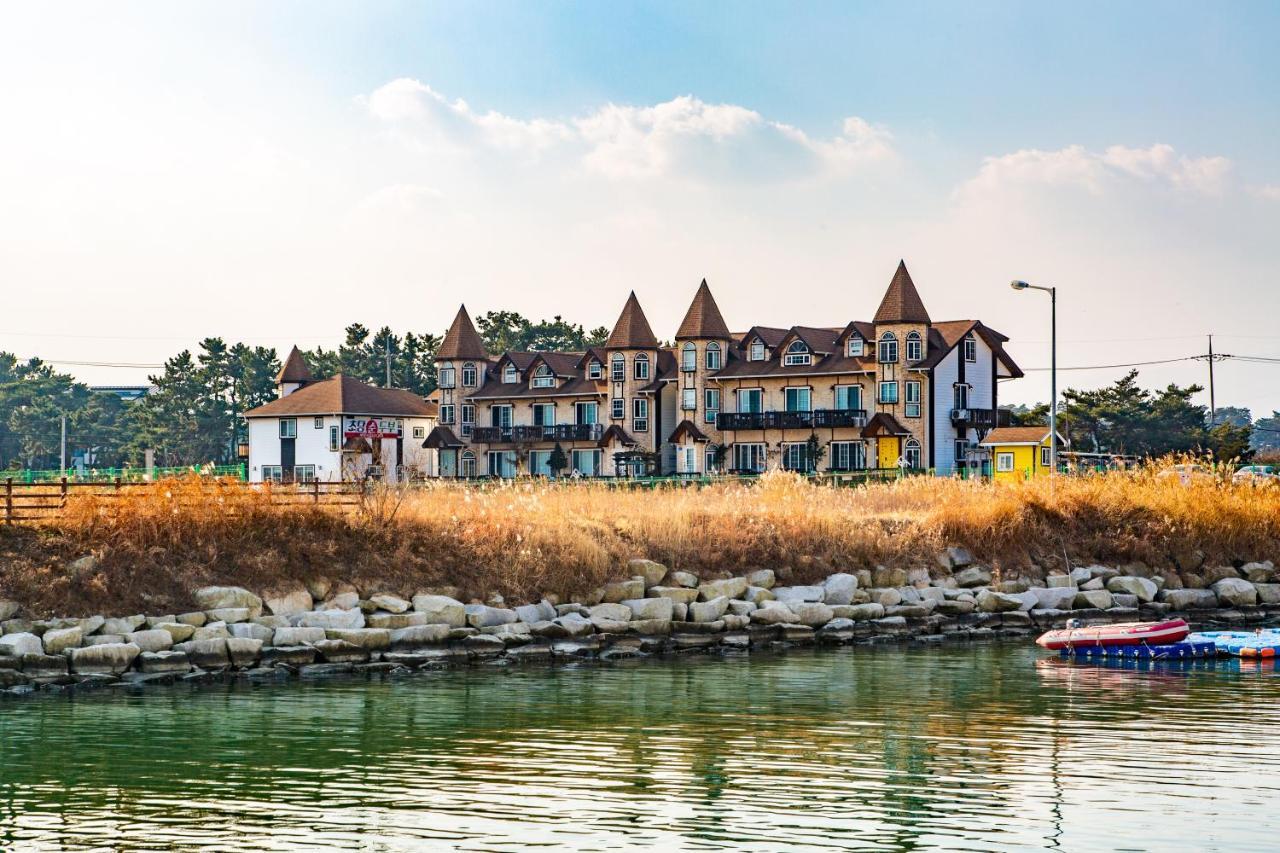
[[272, 172]]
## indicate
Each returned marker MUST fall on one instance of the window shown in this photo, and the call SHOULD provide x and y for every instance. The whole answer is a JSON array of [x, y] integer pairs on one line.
[[709, 460], [319, 422], [796, 399], [888, 392], [288, 427], [849, 397], [617, 408], [446, 413], [711, 402], [446, 377], [795, 456], [502, 463], [962, 452], [1045, 462], [640, 414], [847, 456], [912, 409], [970, 348], [334, 435], [419, 432], [688, 357], [797, 353], [757, 350], [468, 467], [915, 350], [595, 370], [750, 400], [468, 419], [688, 399], [272, 473], [888, 348], [641, 370], [304, 473], [510, 375], [586, 462], [913, 453], [713, 356], [1004, 462], [544, 414], [543, 377], [500, 416], [469, 375], [960, 397], [748, 457], [540, 463], [618, 367], [687, 460], [585, 414], [855, 345]]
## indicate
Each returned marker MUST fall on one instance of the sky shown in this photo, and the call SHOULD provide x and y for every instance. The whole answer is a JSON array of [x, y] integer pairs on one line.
[[274, 172]]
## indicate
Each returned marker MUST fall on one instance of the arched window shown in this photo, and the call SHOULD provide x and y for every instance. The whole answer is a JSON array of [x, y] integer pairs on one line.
[[470, 376], [688, 357], [713, 356], [912, 453], [543, 377], [509, 374], [915, 351], [888, 348], [618, 367], [642, 366], [797, 353], [970, 348], [468, 466]]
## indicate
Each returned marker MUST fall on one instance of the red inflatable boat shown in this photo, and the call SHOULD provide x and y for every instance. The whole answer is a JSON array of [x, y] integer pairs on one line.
[[1122, 634]]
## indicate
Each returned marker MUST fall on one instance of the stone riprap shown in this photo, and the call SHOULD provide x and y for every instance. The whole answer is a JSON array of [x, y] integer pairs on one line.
[[313, 630]]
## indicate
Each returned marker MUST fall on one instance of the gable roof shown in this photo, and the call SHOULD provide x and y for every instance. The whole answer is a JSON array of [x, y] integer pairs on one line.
[[819, 340], [902, 302], [883, 423], [346, 395], [632, 330], [687, 428], [703, 319], [295, 368], [462, 340], [771, 336], [615, 432], [1017, 435], [441, 437]]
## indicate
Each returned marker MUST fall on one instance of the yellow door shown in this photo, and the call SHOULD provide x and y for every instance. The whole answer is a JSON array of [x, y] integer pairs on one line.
[[888, 451]]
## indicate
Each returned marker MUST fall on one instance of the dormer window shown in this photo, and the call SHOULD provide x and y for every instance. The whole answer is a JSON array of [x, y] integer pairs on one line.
[[618, 367], [543, 377], [855, 345], [915, 351], [713, 356], [797, 353], [642, 366], [888, 348], [470, 375], [757, 350], [595, 370], [970, 348], [688, 357], [510, 375]]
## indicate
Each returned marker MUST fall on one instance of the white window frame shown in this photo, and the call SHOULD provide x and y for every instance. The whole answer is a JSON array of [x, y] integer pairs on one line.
[[912, 449], [446, 413], [915, 347], [961, 451], [318, 423], [499, 410], [887, 399], [272, 474], [575, 457], [506, 467], [419, 432], [583, 405], [794, 456], [1004, 462], [640, 367], [757, 350], [595, 370], [639, 414], [888, 350], [970, 348], [745, 393], [447, 377], [617, 367], [847, 456], [544, 408], [911, 409], [754, 453], [304, 473], [797, 354], [855, 345], [958, 391], [510, 376], [467, 464], [335, 438], [617, 409], [544, 377], [470, 375], [711, 403], [1045, 461], [847, 391], [288, 427], [807, 397], [688, 357], [688, 399], [712, 356]]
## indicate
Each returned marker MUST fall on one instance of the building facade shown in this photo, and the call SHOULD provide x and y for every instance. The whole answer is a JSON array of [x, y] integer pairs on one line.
[[900, 390]]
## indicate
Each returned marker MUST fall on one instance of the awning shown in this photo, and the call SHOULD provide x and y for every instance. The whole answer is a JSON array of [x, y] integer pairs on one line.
[[883, 424], [441, 437], [617, 433], [687, 429]]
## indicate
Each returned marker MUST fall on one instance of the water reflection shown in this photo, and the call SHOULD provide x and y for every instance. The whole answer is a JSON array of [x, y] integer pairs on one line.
[[987, 747]]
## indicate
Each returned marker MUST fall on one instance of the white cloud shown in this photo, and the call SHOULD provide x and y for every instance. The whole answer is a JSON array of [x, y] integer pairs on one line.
[[1271, 192]]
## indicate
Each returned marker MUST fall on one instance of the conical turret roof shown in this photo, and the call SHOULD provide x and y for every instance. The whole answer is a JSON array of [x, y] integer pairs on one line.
[[632, 330], [295, 368], [703, 320], [462, 340], [902, 302]]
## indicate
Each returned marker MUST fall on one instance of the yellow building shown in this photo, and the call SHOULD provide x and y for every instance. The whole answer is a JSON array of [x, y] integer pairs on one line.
[[1019, 452]]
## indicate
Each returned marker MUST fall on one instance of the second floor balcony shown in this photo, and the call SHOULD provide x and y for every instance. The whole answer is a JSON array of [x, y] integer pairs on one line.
[[809, 419], [973, 418], [523, 434]]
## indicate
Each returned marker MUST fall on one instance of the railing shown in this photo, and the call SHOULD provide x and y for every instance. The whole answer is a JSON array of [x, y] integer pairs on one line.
[[128, 475], [973, 417], [825, 418], [551, 432]]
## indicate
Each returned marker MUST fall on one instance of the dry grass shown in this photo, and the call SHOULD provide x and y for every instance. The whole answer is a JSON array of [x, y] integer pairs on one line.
[[529, 538]]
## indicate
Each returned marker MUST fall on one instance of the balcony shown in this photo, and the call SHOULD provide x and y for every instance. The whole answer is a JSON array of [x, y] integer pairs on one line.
[[531, 434], [816, 419], [981, 418]]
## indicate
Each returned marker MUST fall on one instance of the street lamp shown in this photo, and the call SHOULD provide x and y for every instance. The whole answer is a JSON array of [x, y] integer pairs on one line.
[[1053, 368]]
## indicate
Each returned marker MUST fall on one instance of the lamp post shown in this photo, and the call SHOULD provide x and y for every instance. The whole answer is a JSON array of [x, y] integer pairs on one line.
[[1053, 368]]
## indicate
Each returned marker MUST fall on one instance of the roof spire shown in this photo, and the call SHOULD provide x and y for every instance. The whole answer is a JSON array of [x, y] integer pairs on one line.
[[902, 302], [632, 331], [703, 319], [295, 368], [462, 340]]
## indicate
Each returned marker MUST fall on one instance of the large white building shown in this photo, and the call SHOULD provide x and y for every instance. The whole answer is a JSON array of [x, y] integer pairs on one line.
[[338, 429]]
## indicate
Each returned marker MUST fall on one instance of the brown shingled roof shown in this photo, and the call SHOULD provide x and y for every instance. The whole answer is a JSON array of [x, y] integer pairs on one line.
[[883, 423], [345, 395], [1016, 435], [902, 302], [703, 319], [441, 437], [632, 330], [687, 427], [462, 340], [295, 368]]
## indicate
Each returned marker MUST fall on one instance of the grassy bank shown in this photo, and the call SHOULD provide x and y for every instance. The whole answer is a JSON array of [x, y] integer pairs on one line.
[[153, 547]]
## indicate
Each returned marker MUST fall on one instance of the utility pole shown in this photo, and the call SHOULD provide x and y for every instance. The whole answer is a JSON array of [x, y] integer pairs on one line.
[[63, 455], [1213, 408], [388, 341]]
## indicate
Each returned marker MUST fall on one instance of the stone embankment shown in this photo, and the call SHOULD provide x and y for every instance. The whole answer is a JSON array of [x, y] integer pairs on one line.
[[322, 628]]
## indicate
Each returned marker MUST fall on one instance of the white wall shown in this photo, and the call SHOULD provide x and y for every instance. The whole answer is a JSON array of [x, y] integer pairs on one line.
[[945, 376]]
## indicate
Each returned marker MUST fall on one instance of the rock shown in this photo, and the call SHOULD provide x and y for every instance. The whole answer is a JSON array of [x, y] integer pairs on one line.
[[19, 644], [196, 619], [774, 614], [1080, 575], [229, 615], [543, 611], [390, 603], [319, 587], [997, 602], [973, 576], [44, 666], [612, 612], [575, 624], [1124, 600], [395, 620], [840, 589], [252, 631], [341, 601], [729, 588], [623, 590], [1143, 588], [123, 624], [1268, 593], [7, 609], [212, 631], [1236, 592], [169, 661], [332, 619], [243, 651], [650, 608], [652, 573], [910, 611], [758, 595], [708, 611], [106, 659], [788, 594], [865, 612], [441, 610], [82, 566], [206, 654], [103, 639], [419, 635], [954, 607], [1094, 583], [886, 597], [650, 627], [735, 623], [610, 626], [218, 597], [955, 557], [151, 640], [685, 579], [58, 641], [297, 636], [885, 576], [484, 616], [291, 655], [17, 626], [1092, 598], [288, 599], [340, 651], [764, 578], [1058, 581], [1189, 599], [679, 594], [1213, 574], [1257, 573], [811, 613], [373, 639], [1054, 598]]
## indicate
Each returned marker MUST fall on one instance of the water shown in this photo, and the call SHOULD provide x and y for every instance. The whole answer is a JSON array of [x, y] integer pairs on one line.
[[983, 748]]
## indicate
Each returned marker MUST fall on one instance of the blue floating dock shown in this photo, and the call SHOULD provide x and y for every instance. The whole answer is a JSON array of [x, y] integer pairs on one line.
[[1185, 650], [1246, 644]]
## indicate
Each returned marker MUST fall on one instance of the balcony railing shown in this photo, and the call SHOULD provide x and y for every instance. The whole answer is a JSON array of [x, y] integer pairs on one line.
[[973, 417], [817, 418], [524, 434]]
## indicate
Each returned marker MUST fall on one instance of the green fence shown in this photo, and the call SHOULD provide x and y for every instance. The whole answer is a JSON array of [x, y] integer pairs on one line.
[[127, 475]]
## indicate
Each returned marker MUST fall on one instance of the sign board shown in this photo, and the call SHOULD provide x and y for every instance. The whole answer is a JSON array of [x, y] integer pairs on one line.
[[372, 427]]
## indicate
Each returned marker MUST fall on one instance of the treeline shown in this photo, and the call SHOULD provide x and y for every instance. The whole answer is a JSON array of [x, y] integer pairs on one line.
[[192, 417]]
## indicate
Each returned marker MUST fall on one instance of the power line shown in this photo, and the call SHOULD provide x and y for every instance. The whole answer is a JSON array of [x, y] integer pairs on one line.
[[1111, 366]]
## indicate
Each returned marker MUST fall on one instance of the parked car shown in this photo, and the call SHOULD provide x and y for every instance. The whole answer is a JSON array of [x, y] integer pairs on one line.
[[1257, 475], [1186, 474]]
